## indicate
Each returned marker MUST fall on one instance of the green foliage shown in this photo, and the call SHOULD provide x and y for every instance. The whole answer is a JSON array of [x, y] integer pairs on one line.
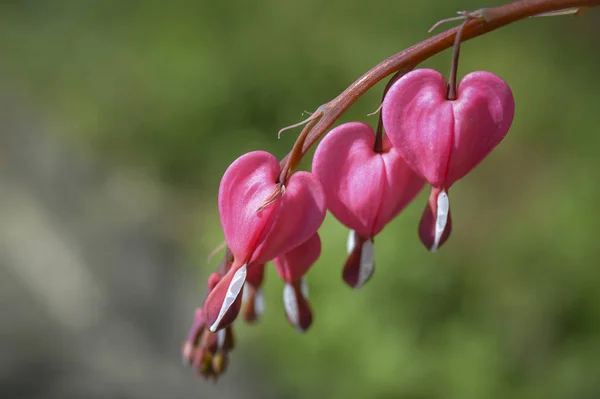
[[509, 308]]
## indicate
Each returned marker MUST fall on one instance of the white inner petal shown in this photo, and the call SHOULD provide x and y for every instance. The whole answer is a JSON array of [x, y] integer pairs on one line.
[[304, 288], [259, 303], [443, 205], [367, 262], [351, 243], [221, 338], [291, 305], [236, 285]]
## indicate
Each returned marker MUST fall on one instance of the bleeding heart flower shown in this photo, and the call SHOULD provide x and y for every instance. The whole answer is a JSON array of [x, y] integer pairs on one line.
[[261, 219], [365, 189], [443, 140], [291, 267]]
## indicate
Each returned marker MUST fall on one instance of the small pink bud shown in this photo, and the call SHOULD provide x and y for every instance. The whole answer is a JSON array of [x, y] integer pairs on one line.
[[190, 344], [213, 280], [365, 189], [443, 140], [261, 219], [291, 267], [294, 264]]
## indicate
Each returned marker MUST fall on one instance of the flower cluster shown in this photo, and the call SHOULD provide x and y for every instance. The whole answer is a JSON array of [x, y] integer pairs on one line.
[[365, 179]]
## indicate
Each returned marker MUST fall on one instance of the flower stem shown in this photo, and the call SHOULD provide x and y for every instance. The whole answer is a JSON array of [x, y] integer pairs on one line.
[[378, 147], [452, 94], [487, 20]]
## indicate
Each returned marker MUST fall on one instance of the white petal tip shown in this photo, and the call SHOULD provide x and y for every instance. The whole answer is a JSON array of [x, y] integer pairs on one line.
[[351, 243], [367, 263], [291, 305], [443, 207], [235, 286]]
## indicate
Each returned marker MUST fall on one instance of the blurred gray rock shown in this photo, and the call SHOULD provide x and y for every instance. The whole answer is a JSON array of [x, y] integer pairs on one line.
[[94, 295]]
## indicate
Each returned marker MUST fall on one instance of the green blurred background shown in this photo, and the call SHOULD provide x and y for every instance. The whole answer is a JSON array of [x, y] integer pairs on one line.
[[509, 308]]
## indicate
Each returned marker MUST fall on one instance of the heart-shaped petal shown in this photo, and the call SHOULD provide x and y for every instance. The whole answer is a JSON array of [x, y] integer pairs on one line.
[[364, 189], [294, 264], [256, 233], [443, 140], [258, 236], [246, 184], [301, 211]]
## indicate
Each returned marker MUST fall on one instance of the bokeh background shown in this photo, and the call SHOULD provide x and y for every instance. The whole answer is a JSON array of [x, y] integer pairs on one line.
[[117, 121]]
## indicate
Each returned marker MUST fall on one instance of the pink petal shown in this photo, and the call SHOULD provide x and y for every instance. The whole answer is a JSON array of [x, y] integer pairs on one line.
[[443, 140], [400, 187], [301, 211], [294, 264], [256, 233], [256, 275], [246, 184], [257, 237], [420, 123], [223, 303], [483, 113], [364, 189]]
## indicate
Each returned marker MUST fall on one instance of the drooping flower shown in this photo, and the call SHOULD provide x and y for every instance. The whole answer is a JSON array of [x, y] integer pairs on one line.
[[261, 219], [365, 189], [292, 267], [442, 140]]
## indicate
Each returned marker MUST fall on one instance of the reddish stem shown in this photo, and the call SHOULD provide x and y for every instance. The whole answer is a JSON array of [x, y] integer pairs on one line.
[[378, 147], [491, 19], [452, 93]]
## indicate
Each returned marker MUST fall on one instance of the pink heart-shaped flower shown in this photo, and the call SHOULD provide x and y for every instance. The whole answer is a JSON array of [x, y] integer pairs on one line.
[[364, 189], [441, 139], [261, 219], [259, 236]]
